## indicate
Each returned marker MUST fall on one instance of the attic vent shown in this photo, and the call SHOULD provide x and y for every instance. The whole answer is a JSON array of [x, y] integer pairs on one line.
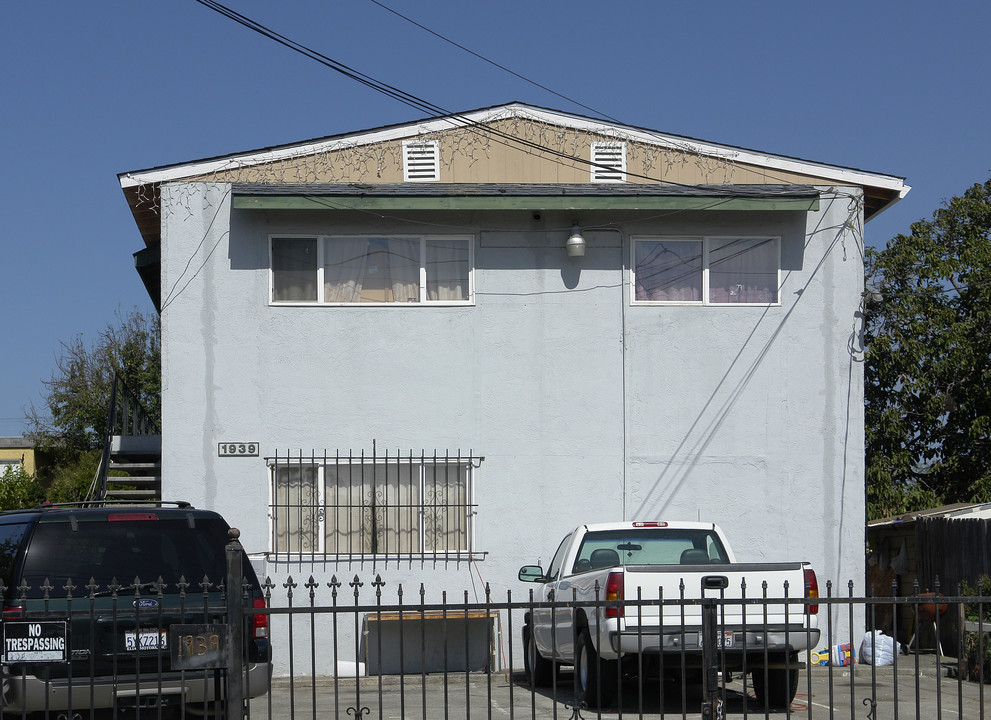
[[421, 161], [609, 162]]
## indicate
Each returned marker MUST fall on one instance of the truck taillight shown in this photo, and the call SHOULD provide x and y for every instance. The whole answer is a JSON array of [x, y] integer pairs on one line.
[[649, 524], [812, 589], [614, 593], [259, 621]]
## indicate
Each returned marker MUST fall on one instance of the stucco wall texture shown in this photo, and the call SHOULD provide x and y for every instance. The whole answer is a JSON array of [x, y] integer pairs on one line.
[[585, 407]]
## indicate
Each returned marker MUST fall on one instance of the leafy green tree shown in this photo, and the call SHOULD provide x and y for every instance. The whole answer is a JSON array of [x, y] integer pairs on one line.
[[73, 420], [19, 489], [71, 482], [928, 362]]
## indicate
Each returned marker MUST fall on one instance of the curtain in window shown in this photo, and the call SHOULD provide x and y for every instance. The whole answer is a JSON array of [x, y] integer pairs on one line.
[[372, 508], [294, 270], [743, 271], [668, 270], [445, 503], [296, 508], [344, 269], [404, 269], [447, 270]]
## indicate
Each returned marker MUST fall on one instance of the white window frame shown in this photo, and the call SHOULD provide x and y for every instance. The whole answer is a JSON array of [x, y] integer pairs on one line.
[[321, 508], [321, 241], [706, 241]]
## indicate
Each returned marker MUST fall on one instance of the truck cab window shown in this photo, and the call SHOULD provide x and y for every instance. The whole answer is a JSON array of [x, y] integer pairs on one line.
[[554, 571]]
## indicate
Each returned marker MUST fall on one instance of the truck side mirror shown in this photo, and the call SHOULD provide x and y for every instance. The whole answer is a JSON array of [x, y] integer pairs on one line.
[[532, 573]]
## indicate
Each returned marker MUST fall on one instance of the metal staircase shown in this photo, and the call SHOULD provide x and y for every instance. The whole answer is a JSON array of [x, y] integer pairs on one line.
[[131, 465]]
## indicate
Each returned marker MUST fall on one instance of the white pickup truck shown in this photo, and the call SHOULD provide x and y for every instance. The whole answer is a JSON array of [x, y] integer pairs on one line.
[[627, 598]]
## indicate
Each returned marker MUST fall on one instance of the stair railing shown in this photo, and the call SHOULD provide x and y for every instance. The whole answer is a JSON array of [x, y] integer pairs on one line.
[[125, 417]]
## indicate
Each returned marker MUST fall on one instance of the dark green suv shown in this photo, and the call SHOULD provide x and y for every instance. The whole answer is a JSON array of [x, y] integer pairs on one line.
[[90, 594]]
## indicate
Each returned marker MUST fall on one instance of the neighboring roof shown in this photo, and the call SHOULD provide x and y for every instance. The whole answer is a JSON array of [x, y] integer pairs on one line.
[[953, 511], [15, 443]]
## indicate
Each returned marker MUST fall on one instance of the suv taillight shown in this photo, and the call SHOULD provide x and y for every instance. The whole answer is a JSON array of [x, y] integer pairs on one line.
[[614, 593], [259, 621], [812, 589]]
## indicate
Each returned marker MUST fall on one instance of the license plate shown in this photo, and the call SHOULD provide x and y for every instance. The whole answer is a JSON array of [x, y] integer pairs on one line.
[[145, 640], [723, 639], [149, 701]]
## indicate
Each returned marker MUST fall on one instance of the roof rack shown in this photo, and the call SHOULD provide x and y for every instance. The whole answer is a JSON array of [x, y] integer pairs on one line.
[[181, 504]]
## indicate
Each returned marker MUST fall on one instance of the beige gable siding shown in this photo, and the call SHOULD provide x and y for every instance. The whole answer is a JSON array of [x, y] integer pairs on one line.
[[546, 154]]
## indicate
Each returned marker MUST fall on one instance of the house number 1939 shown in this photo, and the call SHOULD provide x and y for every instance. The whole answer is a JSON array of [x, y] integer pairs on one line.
[[235, 449]]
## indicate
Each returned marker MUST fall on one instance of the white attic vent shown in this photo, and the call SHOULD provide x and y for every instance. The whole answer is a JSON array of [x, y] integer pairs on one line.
[[421, 161], [608, 162]]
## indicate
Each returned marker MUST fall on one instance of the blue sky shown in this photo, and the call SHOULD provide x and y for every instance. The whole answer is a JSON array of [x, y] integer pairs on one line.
[[92, 89]]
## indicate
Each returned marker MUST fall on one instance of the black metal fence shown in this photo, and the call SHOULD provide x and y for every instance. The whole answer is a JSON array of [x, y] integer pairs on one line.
[[361, 648], [396, 656]]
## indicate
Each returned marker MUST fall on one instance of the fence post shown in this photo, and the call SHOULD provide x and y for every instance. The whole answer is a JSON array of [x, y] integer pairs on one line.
[[235, 627], [710, 667]]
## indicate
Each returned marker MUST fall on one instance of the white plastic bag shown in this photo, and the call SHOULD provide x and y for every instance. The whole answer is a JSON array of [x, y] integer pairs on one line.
[[877, 649]]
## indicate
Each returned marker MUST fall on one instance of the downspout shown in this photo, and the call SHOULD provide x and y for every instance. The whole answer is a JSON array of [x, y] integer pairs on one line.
[[623, 302]]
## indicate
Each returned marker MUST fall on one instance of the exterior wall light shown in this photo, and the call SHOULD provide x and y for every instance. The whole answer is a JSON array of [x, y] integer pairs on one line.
[[576, 243]]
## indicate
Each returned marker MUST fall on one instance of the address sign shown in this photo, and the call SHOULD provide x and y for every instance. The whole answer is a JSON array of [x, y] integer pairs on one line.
[[238, 449]]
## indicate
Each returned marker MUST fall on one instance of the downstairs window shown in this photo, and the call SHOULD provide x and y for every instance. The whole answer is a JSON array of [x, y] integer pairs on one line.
[[356, 505]]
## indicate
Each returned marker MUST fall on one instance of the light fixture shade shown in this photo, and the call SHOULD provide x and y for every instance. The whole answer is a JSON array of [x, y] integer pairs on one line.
[[576, 243]]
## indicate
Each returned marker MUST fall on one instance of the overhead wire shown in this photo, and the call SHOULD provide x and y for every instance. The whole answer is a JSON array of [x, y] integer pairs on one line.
[[418, 103], [525, 79], [493, 62]]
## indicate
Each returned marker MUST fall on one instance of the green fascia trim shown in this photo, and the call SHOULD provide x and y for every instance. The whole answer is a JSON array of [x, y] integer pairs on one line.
[[521, 202]]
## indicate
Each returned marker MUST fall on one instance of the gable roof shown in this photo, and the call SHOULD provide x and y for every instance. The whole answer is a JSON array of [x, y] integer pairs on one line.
[[487, 117], [518, 147]]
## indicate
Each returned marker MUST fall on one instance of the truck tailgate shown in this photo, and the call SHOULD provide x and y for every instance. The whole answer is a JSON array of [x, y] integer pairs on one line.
[[729, 582]]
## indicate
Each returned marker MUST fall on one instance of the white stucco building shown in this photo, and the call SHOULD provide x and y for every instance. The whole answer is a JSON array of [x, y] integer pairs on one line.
[[407, 291]]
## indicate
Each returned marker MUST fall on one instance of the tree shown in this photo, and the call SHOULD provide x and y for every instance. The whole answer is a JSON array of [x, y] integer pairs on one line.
[[74, 419], [19, 489], [928, 362]]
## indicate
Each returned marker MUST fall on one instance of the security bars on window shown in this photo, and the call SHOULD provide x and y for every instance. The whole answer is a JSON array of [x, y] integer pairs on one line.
[[360, 505]]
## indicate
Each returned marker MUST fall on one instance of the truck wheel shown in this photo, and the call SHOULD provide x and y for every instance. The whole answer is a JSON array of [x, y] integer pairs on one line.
[[539, 670], [596, 679], [780, 688]]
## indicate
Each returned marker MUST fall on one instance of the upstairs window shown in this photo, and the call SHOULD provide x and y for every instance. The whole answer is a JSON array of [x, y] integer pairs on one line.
[[363, 270], [706, 271]]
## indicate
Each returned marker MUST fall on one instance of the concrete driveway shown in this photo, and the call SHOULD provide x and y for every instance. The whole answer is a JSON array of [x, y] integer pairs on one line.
[[925, 692]]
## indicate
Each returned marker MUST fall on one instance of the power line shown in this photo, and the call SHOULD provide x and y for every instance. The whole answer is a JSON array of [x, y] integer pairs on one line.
[[493, 62], [421, 104]]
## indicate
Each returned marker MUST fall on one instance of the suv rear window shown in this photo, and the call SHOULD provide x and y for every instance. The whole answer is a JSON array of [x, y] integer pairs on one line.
[[125, 549], [11, 537]]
